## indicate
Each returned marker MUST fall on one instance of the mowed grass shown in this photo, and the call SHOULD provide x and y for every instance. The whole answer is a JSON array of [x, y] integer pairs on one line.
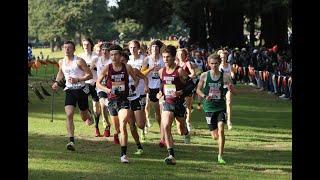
[[258, 147]]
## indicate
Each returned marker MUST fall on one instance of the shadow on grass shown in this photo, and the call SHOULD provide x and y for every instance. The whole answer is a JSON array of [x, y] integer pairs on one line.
[[53, 148]]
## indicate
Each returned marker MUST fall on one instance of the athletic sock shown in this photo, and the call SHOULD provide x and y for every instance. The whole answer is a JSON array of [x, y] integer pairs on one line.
[[171, 151], [123, 150], [71, 139], [96, 119], [139, 145]]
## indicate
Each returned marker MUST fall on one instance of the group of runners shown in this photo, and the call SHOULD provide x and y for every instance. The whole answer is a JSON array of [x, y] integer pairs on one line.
[[126, 86]]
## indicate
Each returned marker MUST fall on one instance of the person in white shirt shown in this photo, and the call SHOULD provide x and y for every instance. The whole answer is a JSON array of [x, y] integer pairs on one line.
[[103, 60], [90, 58], [76, 72], [151, 66]]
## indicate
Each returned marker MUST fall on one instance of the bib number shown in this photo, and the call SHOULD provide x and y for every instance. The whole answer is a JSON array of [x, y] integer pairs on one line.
[[169, 89], [86, 89], [215, 94], [155, 75], [118, 87]]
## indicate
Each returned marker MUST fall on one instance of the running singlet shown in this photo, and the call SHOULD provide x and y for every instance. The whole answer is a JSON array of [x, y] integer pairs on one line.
[[118, 82], [153, 76], [101, 64], [89, 58], [214, 88], [137, 63], [133, 94], [171, 83], [72, 71], [226, 70]]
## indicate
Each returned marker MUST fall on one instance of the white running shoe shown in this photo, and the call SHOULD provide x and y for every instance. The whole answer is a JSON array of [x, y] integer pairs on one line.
[[124, 159], [70, 146], [170, 160]]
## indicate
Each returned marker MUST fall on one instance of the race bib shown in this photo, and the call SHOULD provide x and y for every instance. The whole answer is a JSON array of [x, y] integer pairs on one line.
[[143, 101], [215, 93], [169, 89], [132, 90], [86, 89], [155, 75], [118, 86]]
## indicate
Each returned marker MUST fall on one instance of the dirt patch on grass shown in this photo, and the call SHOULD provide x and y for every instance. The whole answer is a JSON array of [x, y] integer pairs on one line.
[[266, 170]]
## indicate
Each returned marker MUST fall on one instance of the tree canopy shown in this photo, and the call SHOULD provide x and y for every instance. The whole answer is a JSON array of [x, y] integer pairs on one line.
[[207, 22]]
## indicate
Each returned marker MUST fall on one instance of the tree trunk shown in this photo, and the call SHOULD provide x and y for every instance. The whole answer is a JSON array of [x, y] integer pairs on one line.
[[228, 24], [198, 32], [281, 31], [274, 27], [209, 20], [59, 43], [235, 22], [218, 28], [202, 33], [252, 30], [51, 45], [252, 18]]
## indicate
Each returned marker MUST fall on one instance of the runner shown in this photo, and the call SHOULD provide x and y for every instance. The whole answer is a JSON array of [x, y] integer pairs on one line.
[[76, 72], [137, 115], [175, 86], [210, 88], [136, 61], [102, 62], [226, 69], [151, 66], [183, 61], [91, 58], [117, 89]]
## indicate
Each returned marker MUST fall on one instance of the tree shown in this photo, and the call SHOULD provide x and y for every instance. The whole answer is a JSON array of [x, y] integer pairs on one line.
[[44, 21], [274, 23], [57, 20], [150, 14], [128, 29]]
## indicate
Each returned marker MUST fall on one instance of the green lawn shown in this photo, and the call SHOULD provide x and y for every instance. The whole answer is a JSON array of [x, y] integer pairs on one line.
[[258, 147]]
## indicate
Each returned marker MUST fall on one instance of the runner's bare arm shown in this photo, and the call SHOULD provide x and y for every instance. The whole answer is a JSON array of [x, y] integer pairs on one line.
[[102, 75], [132, 74], [59, 77], [201, 84], [94, 64], [191, 69], [227, 81], [187, 81], [145, 79], [87, 72], [159, 94], [145, 69], [60, 74]]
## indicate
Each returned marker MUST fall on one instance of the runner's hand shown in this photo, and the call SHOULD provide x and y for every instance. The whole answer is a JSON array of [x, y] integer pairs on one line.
[[55, 86], [159, 95]]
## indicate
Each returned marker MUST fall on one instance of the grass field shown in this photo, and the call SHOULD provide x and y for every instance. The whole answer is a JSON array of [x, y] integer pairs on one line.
[[258, 147]]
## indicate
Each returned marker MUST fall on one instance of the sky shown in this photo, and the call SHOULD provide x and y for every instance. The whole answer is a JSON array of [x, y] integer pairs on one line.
[[112, 3]]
